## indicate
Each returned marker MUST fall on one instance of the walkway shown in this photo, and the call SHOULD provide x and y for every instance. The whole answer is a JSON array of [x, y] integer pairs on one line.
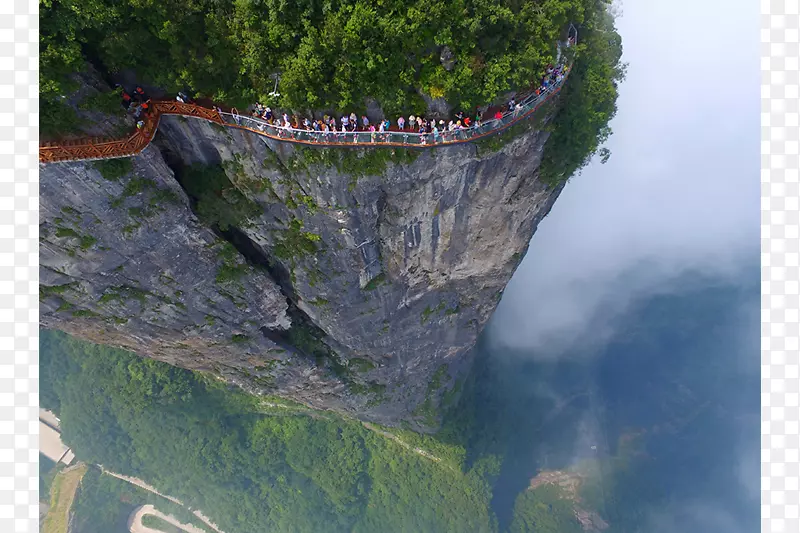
[[405, 445], [94, 148], [141, 484]]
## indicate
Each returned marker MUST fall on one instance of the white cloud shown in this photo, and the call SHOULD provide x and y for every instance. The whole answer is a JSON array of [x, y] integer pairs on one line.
[[680, 192]]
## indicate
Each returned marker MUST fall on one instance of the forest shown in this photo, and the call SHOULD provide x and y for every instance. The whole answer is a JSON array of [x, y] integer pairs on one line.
[[336, 55], [251, 467], [218, 450]]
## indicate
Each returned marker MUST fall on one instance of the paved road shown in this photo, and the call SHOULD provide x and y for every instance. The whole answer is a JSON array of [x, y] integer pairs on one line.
[[141, 484], [135, 521]]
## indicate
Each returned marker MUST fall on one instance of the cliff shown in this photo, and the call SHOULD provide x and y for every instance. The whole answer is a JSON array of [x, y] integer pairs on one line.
[[358, 282]]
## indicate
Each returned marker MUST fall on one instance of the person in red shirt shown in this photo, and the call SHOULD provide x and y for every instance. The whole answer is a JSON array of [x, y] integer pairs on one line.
[[139, 94], [498, 115]]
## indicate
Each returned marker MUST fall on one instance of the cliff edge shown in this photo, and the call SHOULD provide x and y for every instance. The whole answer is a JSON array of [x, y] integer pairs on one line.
[[351, 279]]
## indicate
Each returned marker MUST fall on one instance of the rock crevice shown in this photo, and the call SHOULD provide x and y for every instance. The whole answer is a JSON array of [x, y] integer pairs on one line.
[[360, 286]]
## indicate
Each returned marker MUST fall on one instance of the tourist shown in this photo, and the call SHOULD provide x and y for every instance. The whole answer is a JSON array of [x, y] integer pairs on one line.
[[365, 121], [401, 123]]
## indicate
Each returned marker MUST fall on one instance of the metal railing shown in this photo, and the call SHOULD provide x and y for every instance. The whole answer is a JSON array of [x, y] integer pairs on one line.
[[88, 149], [393, 137]]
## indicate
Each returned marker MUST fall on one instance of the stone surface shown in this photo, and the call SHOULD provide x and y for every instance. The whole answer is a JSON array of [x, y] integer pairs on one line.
[[413, 252]]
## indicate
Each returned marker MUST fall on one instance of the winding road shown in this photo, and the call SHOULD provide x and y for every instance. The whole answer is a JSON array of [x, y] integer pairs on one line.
[[135, 521], [141, 484]]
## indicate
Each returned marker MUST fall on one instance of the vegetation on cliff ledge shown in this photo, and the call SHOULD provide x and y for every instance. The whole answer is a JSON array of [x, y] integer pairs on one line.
[[330, 54], [588, 101]]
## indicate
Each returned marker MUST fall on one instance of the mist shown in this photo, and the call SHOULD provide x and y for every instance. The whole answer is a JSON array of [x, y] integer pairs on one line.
[[673, 216], [679, 194]]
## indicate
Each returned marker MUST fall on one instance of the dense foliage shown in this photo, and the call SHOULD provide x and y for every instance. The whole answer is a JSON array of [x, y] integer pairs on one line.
[[217, 202], [663, 394], [588, 101], [104, 503], [47, 471], [544, 510], [206, 445], [329, 54]]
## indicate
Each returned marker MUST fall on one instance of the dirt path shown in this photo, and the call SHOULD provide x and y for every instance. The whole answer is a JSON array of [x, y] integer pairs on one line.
[[135, 521], [149, 488], [401, 442], [62, 494]]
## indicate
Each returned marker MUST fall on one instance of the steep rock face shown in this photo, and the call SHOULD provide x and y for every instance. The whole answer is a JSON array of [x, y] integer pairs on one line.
[[391, 263]]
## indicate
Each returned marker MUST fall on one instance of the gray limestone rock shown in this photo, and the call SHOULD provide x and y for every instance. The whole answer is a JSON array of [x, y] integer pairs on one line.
[[410, 254]]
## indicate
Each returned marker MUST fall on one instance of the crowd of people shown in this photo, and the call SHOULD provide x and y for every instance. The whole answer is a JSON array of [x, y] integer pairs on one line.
[[138, 104], [329, 125]]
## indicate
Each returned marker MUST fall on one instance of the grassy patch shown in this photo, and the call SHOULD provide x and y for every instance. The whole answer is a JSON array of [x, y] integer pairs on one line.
[[129, 229], [376, 282], [137, 185], [69, 210], [360, 365], [114, 169], [87, 241], [230, 271], [429, 311], [159, 524], [62, 494], [124, 293], [66, 232], [294, 244], [55, 290], [427, 410]]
